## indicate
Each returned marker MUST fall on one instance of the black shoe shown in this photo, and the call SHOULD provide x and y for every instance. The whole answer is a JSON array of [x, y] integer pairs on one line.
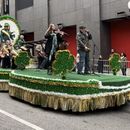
[[86, 73]]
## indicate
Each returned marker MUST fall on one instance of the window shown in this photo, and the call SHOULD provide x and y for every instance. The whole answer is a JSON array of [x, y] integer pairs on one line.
[[22, 4]]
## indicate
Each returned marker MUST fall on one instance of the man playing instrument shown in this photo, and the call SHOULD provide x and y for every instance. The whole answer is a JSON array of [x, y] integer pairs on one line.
[[41, 57], [83, 48]]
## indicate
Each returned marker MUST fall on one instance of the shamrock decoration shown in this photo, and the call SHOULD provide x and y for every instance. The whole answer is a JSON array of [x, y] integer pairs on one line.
[[22, 60], [64, 62], [115, 63]]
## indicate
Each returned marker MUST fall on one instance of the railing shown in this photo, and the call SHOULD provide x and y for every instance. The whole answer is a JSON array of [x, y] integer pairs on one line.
[[105, 65]]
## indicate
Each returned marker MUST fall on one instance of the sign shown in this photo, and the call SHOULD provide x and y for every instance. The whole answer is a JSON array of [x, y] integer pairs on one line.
[[9, 30], [5, 6]]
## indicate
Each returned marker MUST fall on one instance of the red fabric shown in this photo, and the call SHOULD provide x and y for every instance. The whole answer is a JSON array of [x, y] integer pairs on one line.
[[120, 36], [71, 38], [29, 36]]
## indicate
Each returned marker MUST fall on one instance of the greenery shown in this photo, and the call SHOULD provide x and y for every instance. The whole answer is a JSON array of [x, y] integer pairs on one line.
[[64, 63], [53, 82], [4, 74], [33, 79], [60, 89], [27, 79], [106, 80], [22, 60], [114, 63]]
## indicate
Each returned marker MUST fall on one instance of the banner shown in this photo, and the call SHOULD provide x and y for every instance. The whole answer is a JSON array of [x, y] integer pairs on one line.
[[5, 7]]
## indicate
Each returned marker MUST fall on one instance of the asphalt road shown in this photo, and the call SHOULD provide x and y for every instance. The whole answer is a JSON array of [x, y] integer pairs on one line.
[[16, 115]]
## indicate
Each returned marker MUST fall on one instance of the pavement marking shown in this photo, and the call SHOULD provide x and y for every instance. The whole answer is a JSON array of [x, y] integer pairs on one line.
[[21, 120]]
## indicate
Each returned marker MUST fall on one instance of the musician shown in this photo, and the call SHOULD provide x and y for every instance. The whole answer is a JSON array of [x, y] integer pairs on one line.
[[62, 43], [8, 55], [13, 55], [41, 57], [6, 60], [51, 45], [20, 42], [83, 48], [60, 35]]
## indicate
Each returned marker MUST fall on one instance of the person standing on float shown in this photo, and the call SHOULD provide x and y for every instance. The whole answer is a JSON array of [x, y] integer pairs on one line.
[[51, 46], [83, 48]]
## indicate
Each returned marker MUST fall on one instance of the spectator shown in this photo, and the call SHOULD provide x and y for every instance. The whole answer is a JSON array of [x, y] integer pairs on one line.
[[123, 63], [100, 64]]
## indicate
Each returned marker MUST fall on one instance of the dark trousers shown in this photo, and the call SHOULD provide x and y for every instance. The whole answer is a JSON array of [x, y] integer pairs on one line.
[[44, 62], [0, 61], [123, 71], [6, 63], [40, 60], [14, 66], [100, 66]]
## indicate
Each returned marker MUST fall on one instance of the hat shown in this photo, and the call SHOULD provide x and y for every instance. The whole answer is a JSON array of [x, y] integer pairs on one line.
[[82, 27], [6, 25]]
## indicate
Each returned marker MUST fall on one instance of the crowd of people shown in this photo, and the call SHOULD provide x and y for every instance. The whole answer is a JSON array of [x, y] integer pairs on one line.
[[123, 62], [55, 41], [8, 51]]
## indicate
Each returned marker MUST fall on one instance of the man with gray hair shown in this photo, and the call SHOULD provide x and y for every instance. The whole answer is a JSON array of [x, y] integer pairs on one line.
[[83, 48]]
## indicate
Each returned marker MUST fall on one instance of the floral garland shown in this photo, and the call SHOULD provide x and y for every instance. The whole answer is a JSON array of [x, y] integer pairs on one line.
[[73, 96]]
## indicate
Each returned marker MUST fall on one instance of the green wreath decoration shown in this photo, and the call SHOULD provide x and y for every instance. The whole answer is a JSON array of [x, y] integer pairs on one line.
[[7, 17]]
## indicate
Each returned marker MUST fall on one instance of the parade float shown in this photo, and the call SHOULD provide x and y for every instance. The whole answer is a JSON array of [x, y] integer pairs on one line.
[[64, 90], [9, 29]]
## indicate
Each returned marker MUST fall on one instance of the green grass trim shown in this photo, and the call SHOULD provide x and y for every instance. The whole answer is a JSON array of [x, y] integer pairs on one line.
[[43, 86], [107, 80], [47, 81], [4, 74], [60, 89]]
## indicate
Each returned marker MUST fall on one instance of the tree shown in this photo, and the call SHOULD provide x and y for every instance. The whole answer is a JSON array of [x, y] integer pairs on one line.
[[64, 63]]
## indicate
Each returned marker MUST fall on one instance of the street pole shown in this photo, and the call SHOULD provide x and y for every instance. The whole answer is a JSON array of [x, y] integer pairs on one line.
[[48, 7], [1, 7]]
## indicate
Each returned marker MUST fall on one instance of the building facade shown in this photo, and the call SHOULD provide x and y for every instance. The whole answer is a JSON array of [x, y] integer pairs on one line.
[[107, 20]]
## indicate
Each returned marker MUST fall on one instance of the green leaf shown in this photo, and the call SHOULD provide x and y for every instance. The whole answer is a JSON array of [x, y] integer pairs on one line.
[[63, 63], [22, 60]]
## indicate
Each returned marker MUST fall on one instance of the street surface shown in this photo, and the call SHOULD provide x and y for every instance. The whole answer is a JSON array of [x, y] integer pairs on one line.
[[16, 115]]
